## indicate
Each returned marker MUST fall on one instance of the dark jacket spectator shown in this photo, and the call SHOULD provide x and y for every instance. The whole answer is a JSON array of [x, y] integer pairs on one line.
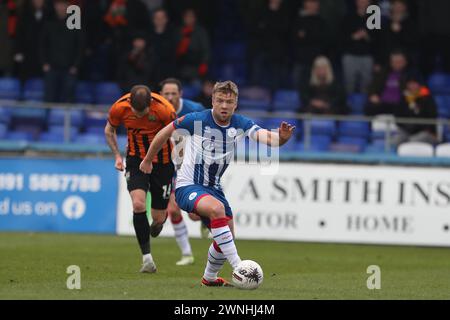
[[399, 31], [125, 18], [206, 11], [357, 47], [138, 66], [163, 38], [417, 102], [323, 95], [61, 53], [357, 39], [434, 27], [270, 32], [386, 89], [193, 48], [310, 34], [269, 35], [309, 39], [61, 48], [29, 32]]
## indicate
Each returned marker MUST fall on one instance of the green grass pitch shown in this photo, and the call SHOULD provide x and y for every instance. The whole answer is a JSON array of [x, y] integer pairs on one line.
[[33, 266]]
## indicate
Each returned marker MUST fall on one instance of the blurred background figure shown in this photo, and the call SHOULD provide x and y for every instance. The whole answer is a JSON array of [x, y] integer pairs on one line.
[[434, 26], [29, 32], [417, 102], [323, 95], [268, 45], [164, 40], [310, 38], [399, 31], [138, 66], [357, 58], [153, 4], [385, 91], [193, 49], [124, 18], [61, 53]]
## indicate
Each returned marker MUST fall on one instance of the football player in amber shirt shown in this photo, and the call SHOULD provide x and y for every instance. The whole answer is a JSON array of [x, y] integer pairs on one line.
[[143, 114]]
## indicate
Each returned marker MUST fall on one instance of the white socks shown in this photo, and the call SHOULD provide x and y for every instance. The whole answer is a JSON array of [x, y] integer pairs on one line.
[[182, 237], [215, 262], [224, 238]]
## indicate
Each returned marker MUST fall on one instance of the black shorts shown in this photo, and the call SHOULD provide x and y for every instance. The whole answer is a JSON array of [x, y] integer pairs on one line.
[[159, 182]]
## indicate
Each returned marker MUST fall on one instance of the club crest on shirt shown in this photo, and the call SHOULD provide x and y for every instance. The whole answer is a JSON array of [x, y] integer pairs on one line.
[[151, 117], [231, 132]]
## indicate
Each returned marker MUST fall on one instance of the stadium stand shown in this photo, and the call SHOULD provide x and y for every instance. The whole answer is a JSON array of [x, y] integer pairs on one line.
[[231, 50], [33, 90], [286, 100], [439, 83], [9, 88], [106, 92]]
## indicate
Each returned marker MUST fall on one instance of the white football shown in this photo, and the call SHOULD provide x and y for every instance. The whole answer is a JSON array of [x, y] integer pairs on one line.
[[247, 275]]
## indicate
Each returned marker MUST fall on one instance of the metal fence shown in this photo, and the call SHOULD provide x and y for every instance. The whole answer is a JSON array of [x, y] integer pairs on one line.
[[305, 118]]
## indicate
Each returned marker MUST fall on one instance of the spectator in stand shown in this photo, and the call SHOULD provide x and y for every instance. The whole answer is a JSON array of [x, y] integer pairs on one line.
[[417, 102], [61, 52], [310, 38], [333, 12], [152, 5], [163, 37], [193, 49], [323, 95], [205, 96], [97, 61], [29, 30], [400, 31], [267, 48], [138, 66], [8, 29], [434, 25], [206, 11], [385, 91], [357, 60], [123, 19]]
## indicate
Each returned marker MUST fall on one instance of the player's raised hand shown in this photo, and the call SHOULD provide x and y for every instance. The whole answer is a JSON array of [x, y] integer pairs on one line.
[[146, 166], [285, 131], [119, 164]]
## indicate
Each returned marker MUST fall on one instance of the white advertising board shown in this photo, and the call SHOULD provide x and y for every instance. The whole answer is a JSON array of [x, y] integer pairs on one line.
[[330, 203]]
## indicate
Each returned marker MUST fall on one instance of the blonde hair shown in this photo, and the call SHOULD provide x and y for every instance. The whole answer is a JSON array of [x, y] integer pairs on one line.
[[321, 61], [226, 87]]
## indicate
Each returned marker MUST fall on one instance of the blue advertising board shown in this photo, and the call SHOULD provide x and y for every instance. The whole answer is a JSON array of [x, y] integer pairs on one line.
[[58, 195]]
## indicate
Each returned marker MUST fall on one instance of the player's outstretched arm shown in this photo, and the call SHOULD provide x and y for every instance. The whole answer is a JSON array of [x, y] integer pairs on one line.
[[275, 139], [111, 139], [158, 142]]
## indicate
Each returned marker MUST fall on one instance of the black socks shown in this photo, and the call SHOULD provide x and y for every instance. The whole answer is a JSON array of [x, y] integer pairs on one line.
[[142, 229]]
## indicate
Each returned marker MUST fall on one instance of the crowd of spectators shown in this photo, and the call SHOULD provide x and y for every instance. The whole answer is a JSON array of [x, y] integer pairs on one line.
[[322, 48]]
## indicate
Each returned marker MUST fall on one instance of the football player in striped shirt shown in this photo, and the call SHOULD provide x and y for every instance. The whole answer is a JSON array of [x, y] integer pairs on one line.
[[211, 137]]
